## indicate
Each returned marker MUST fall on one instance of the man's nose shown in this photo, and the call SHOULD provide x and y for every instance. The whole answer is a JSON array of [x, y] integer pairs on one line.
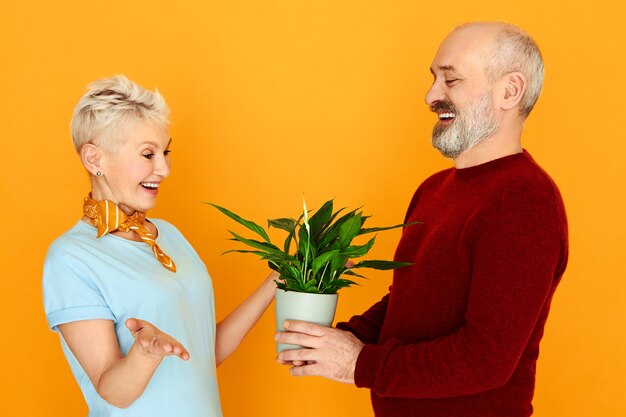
[[434, 94]]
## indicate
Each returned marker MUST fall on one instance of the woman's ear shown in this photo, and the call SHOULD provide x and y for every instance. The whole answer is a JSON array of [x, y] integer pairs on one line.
[[91, 156], [514, 88]]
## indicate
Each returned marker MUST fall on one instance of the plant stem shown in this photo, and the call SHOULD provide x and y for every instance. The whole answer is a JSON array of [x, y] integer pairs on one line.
[[308, 240], [322, 277], [306, 260]]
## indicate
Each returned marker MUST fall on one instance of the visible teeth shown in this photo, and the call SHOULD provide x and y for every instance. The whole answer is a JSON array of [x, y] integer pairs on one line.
[[447, 116], [153, 185]]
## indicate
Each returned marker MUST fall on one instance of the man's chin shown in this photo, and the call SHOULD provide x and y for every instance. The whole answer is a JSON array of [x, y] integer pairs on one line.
[[449, 154], [446, 151], [443, 144]]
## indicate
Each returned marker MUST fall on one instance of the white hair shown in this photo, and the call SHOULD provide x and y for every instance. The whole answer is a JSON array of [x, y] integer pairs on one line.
[[111, 103], [515, 50]]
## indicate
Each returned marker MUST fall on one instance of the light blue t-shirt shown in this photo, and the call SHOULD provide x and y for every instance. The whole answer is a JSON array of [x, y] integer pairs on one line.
[[116, 279]]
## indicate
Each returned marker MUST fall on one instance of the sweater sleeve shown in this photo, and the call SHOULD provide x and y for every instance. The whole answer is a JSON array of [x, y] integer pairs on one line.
[[518, 255], [367, 326]]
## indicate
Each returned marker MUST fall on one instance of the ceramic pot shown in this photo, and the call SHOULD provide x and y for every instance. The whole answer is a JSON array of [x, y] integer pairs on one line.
[[316, 308]]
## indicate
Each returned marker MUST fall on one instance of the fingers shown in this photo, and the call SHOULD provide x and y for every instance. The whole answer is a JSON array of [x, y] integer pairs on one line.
[[294, 363], [170, 346], [298, 357], [274, 276], [306, 370], [154, 342], [181, 352], [305, 327], [141, 330], [300, 339], [303, 333], [332, 355], [296, 367], [134, 325]]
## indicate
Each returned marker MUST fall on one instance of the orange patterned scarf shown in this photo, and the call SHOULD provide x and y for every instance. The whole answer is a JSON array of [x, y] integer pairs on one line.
[[107, 217]]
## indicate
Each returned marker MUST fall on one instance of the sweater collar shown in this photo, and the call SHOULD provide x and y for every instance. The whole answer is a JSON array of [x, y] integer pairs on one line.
[[491, 165]]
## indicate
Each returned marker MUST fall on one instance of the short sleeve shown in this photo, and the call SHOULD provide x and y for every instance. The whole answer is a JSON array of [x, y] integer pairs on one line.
[[70, 290]]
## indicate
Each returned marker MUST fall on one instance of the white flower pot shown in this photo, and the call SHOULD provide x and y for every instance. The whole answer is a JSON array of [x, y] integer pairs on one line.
[[316, 308]]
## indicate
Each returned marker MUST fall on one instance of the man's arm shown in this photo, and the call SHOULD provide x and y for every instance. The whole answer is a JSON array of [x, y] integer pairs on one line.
[[517, 260], [367, 326]]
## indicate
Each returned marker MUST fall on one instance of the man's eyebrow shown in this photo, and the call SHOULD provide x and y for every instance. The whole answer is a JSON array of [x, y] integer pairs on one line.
[[447, 68]]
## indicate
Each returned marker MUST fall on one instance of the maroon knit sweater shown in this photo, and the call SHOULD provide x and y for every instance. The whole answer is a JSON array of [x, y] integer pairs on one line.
[[459, 332]]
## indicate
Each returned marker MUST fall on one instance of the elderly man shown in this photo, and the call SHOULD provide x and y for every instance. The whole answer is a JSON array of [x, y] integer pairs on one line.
[[459, 332]]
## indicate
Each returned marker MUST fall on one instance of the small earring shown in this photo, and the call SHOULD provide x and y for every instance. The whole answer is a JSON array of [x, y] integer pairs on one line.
[[98, 174]]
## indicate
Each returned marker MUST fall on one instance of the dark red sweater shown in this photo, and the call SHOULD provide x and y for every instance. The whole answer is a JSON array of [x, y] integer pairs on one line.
[[459, 332]]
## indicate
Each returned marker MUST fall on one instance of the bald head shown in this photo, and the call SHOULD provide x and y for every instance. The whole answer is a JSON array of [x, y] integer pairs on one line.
[[504, 48]]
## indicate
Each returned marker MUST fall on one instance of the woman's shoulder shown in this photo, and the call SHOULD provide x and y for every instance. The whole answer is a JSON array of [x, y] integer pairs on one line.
[[72, 238], [69, 257]]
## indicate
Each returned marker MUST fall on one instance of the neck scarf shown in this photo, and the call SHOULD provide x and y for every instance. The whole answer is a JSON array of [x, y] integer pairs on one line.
[[107, 217]]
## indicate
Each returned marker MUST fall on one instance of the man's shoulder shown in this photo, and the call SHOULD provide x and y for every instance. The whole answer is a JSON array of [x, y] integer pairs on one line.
[[437, 178], [528, 176], [526, 188]]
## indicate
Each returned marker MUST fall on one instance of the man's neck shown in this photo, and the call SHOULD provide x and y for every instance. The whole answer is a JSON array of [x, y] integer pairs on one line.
[[494, 147]]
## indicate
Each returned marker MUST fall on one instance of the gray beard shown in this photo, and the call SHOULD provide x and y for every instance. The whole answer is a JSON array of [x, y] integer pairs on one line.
[[466, 131]]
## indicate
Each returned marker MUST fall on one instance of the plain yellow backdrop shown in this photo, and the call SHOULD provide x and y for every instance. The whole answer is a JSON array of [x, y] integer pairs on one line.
[[274, 99]]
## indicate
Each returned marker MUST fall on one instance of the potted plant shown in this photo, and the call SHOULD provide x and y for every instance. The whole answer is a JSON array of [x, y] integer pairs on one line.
[[316, 268]]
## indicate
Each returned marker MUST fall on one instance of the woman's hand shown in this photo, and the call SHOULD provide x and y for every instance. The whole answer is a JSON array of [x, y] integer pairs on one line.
[[119, 380], [153, 343]]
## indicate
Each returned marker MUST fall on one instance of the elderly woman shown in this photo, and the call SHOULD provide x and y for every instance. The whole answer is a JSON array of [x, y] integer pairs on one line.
[[130, 297]]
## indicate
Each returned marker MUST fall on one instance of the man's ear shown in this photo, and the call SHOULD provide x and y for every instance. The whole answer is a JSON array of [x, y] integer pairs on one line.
[[91, 156], [514, 88]]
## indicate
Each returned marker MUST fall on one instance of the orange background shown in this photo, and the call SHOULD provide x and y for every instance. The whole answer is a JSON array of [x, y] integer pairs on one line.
[[273, 99]]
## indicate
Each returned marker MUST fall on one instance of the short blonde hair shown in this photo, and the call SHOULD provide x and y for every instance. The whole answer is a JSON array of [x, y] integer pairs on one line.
[[108, 105]]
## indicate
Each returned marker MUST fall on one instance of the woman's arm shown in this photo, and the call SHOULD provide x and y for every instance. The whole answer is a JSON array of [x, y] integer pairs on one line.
[[118, 379], [231, 331]]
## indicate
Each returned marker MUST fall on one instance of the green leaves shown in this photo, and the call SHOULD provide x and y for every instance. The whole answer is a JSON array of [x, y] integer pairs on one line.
[[288, 225], [323, 246], [383, 265], [250, 225], [322, 260], [379, 229], [319, 221], [349, 230]]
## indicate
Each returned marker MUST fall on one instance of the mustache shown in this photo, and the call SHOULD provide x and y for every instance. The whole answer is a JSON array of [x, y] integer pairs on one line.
[[443, 106]]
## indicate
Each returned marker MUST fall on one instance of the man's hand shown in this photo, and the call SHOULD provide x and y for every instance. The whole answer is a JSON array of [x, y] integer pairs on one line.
[[154, 343], [332, 354]]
